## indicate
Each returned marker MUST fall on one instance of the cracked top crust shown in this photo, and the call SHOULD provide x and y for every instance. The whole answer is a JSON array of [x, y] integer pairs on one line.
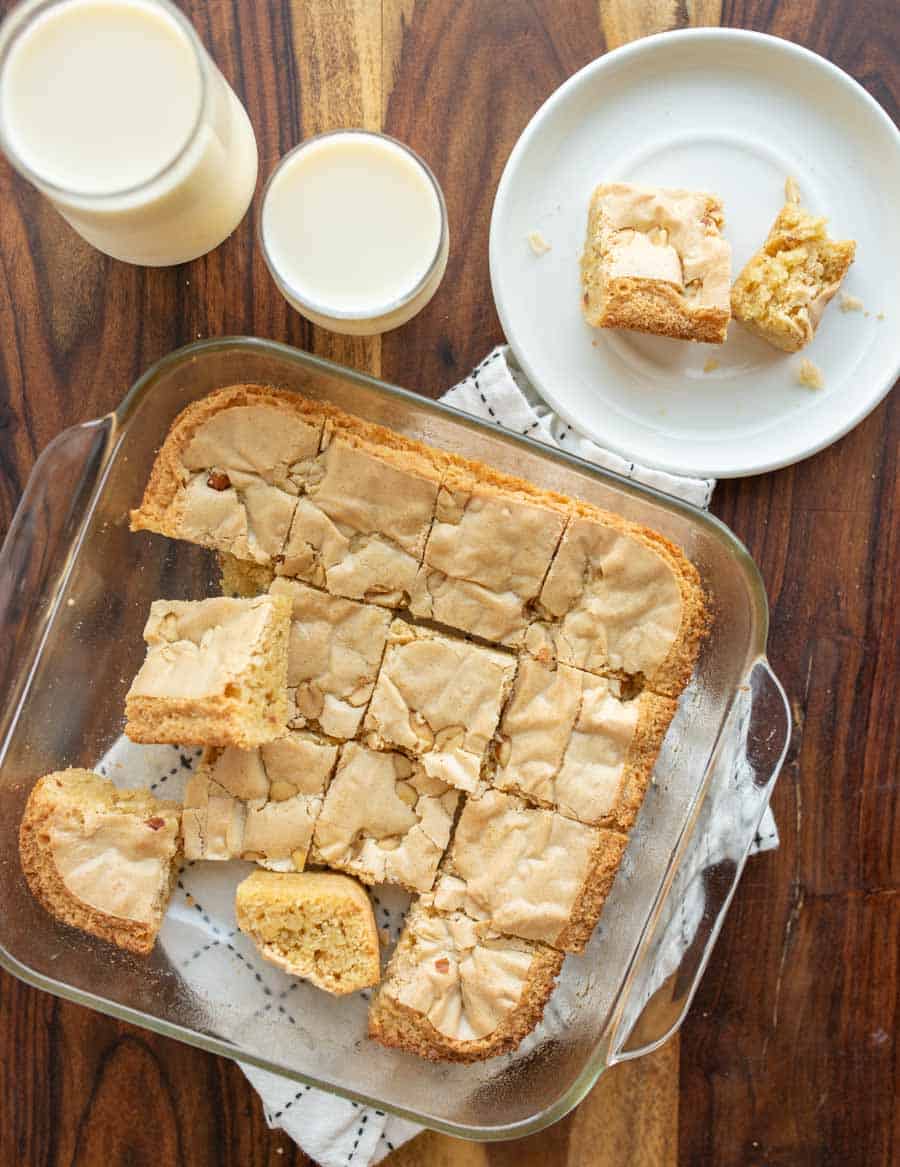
[[258, 804], [486, 557], [613, 602], [361, 528], [438, 699], [459, 973], [198, 648], [522, 869], [568, 740], [384, 819], [230, 471], [652, 233], [334, 651]]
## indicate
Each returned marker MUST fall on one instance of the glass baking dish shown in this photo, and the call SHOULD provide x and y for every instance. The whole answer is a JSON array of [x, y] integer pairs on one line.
[[75, 587]]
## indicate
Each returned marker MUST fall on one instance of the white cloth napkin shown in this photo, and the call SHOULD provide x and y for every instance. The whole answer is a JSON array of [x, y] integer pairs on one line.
[[332, 1130]]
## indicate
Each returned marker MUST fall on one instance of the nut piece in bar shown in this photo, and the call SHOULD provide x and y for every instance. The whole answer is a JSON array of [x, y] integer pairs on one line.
[[384, 819], [619, 599], [360, 529], [786, 286], [528, 872], [101, 859], [317, 925], [487, 554], [438, 699], [231, 469], [258, 804], [569, 741], [215, 673], [334, 651], [655, 261], [457, 990]]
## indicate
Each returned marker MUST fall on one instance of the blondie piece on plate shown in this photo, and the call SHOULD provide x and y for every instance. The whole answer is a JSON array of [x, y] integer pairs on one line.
[[231, 469], [360, 529], [568, 741], [101, 859], [258, 804], [528, 872], [457, 990], [438, 699], [620, 599], [384, 819], [786, 286], [334, 652], [655, 261], [215, 673], [487, 554], [317, 926]]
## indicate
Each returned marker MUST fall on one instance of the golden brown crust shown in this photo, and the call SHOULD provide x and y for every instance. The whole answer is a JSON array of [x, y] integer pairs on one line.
[[655, 306], [394, 1024], [653, 724], [597, 884], [166, 477], [44, 880]]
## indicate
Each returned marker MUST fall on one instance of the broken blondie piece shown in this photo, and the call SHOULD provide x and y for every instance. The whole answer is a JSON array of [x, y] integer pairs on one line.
[[487, 555], [258, 804], [334, 651], [786, 286], [215, 673], [101, 859], [384, 819], [620, 599], [360, 529], [655, 261], [570, 742], [231, 469], [528, 872], [438, 699], [317, 926], [457, 990]]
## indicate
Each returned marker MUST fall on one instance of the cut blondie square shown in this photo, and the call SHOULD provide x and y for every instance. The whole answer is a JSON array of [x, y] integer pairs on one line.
[[439, 700], [335, 648], [258, 804], [489, 549], [786, 286], [457, 990], [318, 926], [528, 872], [101, 859], [360, 529], [215, 673], [655, 261], [568, 741], [384, 819], [620, 599], [231, 469]]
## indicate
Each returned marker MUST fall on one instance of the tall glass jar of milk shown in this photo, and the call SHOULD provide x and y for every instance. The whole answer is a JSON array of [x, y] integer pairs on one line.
[[116, 112]]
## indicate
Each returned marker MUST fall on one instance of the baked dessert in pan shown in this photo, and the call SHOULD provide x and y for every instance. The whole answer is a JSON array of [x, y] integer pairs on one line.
[[101, 859], [487, 749]]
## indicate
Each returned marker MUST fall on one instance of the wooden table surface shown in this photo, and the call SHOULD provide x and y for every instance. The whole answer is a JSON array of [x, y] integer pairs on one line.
[[790, 1053]]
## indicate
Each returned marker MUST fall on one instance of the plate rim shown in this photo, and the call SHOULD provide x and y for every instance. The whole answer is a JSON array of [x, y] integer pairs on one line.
[[651, 44]]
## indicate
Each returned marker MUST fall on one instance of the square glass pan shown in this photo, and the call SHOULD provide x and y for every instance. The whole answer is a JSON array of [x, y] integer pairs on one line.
[[75, 587]]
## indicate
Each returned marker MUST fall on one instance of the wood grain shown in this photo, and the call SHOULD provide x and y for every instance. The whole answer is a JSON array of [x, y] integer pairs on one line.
[[790, 1054]]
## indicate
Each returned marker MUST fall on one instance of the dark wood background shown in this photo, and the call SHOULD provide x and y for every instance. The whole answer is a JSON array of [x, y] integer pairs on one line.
[[790, 1054]]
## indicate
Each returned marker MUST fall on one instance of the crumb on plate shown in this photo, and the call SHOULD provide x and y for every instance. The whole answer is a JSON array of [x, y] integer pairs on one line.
[[538, 243], [851, 303], [810, 375], [711, 365]]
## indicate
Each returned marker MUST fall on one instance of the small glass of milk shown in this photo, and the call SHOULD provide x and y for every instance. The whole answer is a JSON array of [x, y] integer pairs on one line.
[[354, 231], [116, 112]]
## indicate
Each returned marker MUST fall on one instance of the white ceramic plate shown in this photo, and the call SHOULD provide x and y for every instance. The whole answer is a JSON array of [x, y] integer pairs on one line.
[[734, 113]]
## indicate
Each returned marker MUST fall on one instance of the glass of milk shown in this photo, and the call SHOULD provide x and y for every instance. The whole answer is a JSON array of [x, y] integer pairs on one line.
[[354, 231], [116, 112]]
